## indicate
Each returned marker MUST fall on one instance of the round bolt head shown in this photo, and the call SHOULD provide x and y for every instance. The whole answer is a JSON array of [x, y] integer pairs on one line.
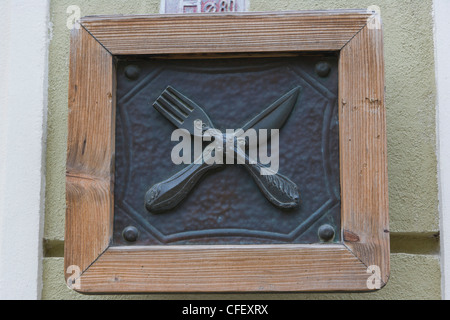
[[326, 233], [132, 72], [130, 234], [323, 69]]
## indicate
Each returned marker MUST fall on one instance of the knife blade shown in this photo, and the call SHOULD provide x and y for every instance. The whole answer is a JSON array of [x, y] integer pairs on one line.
[[274, 116]]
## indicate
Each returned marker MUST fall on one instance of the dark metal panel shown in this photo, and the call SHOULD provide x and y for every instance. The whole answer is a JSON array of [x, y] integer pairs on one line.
[[226, 206]]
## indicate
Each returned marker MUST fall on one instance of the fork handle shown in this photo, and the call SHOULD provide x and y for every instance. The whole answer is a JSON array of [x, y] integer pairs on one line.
[[169, 193], [278, 189]]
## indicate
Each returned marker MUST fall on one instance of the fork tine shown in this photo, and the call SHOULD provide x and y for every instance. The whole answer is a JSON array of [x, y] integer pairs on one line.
[[166, 104], [176, 103], [186, 105], [171, 117]]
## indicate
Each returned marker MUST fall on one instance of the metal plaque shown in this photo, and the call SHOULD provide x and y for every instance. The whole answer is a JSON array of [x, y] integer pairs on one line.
[[159, 202], [198, 6]]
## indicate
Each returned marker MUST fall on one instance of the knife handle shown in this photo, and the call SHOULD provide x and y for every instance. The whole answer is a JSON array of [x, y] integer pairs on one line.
[[278, 189], [169, 193]]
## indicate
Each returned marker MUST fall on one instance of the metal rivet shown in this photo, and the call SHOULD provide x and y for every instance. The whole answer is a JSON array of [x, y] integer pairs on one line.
[[323, 69], [130, 234], [132, 72], [326, 233]]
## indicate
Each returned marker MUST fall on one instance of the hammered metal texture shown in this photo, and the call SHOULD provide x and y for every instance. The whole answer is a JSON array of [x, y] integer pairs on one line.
[[226, 206]]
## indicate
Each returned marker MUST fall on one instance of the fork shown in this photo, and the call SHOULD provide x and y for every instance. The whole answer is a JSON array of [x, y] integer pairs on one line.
[[183, 113]]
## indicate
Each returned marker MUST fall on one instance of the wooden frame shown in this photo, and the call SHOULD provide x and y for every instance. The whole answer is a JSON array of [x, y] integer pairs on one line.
[[356, 35]]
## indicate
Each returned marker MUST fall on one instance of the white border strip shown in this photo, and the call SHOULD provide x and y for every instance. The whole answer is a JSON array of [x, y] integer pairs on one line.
[[442, 63], [23, 110]]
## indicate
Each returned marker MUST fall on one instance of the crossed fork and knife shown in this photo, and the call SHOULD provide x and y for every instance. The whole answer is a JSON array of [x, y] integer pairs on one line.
[[186, 114]]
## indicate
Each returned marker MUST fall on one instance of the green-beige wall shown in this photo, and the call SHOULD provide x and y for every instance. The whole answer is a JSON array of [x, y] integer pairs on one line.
[[411, 126]]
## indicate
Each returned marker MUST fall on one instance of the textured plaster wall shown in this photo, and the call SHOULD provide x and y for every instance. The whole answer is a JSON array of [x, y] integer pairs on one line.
[[410, 100]]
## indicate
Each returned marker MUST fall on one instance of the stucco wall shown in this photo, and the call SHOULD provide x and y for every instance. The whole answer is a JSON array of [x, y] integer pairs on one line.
[[410, 100]]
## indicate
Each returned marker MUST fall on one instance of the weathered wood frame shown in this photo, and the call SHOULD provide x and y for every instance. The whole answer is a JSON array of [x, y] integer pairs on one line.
[[356, 35]]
